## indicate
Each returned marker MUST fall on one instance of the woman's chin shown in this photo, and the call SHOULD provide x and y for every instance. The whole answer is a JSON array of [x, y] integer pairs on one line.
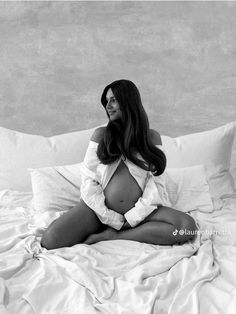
[[114, 118]]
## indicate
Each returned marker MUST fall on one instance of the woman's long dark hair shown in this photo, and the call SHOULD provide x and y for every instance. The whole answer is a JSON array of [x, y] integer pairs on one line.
[[129, 134]]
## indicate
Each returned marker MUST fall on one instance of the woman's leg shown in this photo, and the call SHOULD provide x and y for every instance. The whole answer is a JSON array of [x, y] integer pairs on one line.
[[162, 226], [72, 227], [158, 228]]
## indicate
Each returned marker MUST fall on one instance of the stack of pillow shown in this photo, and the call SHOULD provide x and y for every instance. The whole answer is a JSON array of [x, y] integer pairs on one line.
[[198, 167]]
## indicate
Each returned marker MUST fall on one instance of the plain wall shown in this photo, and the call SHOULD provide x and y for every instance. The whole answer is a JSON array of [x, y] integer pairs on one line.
[[56, 58]]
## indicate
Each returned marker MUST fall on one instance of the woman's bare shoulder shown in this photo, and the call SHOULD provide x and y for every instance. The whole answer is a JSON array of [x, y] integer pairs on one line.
[[155, 137], [98, 134]]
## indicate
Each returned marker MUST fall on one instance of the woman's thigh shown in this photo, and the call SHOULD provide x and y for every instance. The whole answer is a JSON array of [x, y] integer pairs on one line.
[[72, 228], [178, 219]]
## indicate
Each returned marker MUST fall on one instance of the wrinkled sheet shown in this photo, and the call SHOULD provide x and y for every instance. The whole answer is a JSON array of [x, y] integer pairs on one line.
[[116, 276]]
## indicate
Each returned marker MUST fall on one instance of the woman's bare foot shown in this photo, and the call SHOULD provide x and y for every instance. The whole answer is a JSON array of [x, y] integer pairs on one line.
[[108, 234]]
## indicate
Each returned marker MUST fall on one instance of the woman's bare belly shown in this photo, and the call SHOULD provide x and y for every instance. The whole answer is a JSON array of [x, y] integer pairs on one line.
[[122, 191]]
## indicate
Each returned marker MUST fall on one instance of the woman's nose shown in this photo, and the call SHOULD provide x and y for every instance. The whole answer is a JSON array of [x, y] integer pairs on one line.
[[108, 104]]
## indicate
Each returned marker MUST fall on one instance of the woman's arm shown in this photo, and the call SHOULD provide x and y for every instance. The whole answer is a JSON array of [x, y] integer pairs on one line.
[[146, 204], [91, 189]]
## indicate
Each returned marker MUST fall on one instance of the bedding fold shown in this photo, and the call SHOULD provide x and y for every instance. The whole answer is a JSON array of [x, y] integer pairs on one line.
[[118, 276]]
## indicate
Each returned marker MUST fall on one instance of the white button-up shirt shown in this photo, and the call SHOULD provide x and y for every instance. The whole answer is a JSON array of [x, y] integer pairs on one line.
[[95, 177]]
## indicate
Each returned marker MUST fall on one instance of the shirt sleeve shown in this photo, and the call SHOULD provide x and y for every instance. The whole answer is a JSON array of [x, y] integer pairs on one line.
[[154, 195], [146, 203], [92, 192]]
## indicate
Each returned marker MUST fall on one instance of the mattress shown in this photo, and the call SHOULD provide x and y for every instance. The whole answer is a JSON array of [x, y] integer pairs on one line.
[[118, 276]]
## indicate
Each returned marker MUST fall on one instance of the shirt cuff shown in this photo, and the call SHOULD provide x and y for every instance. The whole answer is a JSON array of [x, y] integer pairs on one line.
[[117, 221], [138, 213]]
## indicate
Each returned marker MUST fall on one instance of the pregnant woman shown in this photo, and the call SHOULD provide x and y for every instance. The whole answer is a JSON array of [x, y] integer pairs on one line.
[[122, 193]]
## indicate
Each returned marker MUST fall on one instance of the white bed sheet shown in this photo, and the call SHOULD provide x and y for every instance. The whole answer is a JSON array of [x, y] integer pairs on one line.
[[116, 276]]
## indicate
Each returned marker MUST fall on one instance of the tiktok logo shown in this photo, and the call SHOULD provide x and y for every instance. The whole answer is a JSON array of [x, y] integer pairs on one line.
[[175, 232]]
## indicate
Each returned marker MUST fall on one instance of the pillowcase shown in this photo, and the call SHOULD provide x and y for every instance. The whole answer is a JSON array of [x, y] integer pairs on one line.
[[19, 151], [187, 189], [58, 188], [212, 149]]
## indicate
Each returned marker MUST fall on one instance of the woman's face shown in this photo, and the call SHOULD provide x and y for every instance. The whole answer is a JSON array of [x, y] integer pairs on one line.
[[112, 107]]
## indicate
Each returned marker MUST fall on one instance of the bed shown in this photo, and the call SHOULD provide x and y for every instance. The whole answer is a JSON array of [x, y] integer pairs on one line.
[[40, 180]]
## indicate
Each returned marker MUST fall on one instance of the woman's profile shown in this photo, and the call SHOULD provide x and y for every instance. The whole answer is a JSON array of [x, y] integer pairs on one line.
[[122, 194]]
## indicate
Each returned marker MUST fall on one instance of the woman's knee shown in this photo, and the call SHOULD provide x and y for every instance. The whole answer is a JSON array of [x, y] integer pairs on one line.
[[187, 223], [71, 228], [188, 227], [49, 240], [178, 219]]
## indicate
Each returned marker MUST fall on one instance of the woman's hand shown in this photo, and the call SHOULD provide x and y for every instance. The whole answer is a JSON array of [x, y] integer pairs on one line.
[[125, 226]]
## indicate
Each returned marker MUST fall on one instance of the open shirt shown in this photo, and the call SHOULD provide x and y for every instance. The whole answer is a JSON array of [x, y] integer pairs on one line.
[[95, 177]]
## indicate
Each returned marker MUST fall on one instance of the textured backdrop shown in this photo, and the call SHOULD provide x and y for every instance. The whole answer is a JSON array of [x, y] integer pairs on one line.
[[56, 58]]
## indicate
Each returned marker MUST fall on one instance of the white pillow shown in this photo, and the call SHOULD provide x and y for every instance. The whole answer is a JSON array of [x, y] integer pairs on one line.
[[212, 149], [187, 189], [58, 188], [19, 151]]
